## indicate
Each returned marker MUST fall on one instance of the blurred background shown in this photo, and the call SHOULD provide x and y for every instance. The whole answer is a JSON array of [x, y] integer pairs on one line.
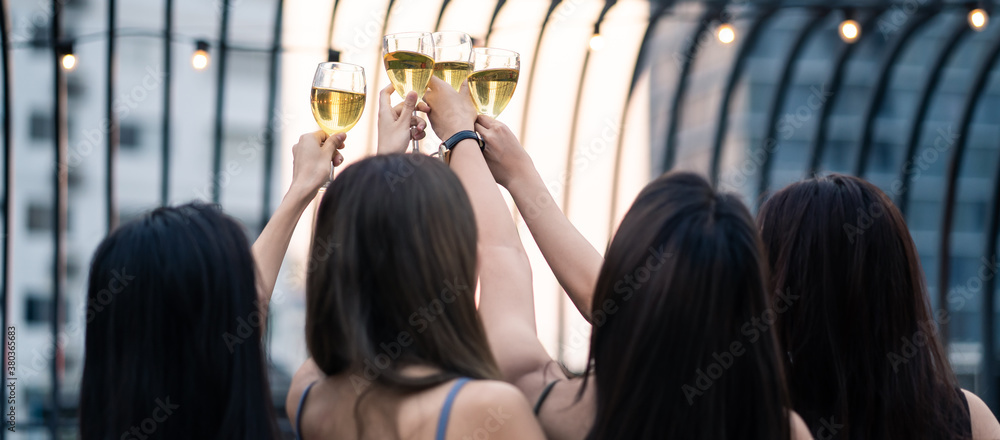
[[202, 100]]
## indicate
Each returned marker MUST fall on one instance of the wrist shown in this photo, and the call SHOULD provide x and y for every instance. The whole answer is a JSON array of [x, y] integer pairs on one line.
[[451, 131], [300, 195], [524, 182]]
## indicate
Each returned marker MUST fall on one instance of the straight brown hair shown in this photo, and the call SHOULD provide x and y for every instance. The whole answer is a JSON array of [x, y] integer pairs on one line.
[[864, 360], [392, 276]]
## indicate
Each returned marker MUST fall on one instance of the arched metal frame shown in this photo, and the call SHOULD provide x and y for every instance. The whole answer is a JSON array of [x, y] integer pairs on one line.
[[330, 50], [168, 30], [654, 20], [819, 136], [493, 20], [778, 98], [690, 52], [960, 30], [59, 183], [444, 4], [739, 62], [991, 233], [220, 104], [534, 63], [7, 193], [882, 80], [111, 155], [270, 140], [951, 189]]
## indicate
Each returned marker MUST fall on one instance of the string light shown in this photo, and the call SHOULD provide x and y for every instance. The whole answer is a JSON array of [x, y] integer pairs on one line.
[[978, 19], [849, 31], [726, 33], [200, 58], [597, 42], [68, 59]]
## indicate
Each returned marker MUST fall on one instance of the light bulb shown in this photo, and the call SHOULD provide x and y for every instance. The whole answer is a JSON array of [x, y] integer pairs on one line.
[[849, 31], [597, 42], [978, 19], [69, 61], [726, 34]]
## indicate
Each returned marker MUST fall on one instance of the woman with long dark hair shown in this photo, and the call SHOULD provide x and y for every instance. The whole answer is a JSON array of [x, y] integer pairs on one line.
[[176, 304], [864, 359], [397, 349], [671, 356]]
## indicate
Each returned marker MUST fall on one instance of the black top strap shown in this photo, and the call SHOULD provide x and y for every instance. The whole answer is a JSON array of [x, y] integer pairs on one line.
[[298, 412], [545, 393]]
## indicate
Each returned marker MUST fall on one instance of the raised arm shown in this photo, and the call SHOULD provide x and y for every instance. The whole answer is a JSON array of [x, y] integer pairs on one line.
[[506, 304], [312, 156], [572, 258]]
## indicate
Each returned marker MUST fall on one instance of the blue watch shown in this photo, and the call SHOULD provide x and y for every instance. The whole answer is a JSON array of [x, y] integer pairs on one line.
[[444, 150]]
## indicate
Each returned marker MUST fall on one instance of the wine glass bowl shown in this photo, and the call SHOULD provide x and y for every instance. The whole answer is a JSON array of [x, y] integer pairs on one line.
[[494, 78], [338, 96], [409, 61], [452, 57]]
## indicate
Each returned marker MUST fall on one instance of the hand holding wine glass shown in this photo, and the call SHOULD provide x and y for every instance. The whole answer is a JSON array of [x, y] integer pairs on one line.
[[450, 111], [398, 125], [337, 100], [409, 63]]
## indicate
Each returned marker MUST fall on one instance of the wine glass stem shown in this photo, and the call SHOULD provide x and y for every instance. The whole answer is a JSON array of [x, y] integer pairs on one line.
[[416, 143]]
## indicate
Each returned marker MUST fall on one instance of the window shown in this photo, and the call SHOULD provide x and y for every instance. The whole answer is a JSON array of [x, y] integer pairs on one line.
[[130, 136], [37, 310], [39, 217], [40, 126]]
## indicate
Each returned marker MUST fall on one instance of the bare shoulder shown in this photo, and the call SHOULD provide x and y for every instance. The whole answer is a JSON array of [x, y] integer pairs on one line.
[[308, 373], [800, 431], [494, 408], [984, 423]]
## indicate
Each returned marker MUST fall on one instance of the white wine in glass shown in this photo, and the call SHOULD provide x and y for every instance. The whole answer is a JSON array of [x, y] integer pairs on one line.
[[494, 79], [452, 57], [409, 62], [338, 96]]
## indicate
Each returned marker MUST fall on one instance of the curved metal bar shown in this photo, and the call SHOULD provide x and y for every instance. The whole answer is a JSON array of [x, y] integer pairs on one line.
[[111, 157], [882, 80], [690, 53], [534, 63], [493, 20], [954, 166], [734, 74], [59, 182], [220, 93], [836, 77], [991, 234], [168, 30], [444, 4], [329, 33], [270, 140], [770, 143], [934, 75], [7, 193], [654, 20]]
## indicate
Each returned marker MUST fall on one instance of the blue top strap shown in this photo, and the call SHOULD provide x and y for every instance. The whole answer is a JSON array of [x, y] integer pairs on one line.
[[298, 413], [446, 409]]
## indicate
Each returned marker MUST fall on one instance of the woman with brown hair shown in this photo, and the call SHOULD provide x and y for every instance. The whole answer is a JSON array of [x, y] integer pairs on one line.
[[683, 274], [843, 249], [397, 348]]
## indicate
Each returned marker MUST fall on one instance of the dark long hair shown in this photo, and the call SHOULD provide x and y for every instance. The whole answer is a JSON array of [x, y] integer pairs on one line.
[[173, 345], [677, 350], [864, 360], [392, 276]]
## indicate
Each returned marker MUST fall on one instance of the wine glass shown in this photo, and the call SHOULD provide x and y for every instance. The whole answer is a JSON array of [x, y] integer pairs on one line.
[[452, 57], [338, 97], [409, 62], [493, 79]]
